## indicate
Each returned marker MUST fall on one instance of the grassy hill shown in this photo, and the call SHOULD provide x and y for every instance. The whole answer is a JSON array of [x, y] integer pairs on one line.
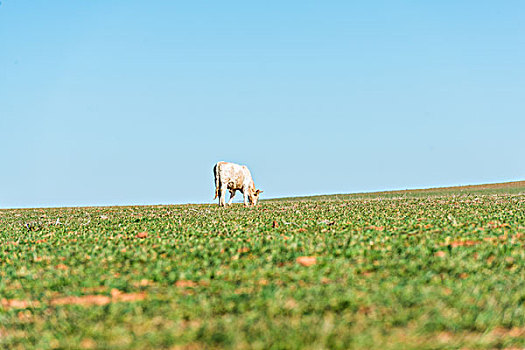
[[423, 269], [513, 187]]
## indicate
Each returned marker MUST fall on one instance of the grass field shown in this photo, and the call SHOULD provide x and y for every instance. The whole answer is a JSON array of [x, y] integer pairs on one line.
[[428, 269]]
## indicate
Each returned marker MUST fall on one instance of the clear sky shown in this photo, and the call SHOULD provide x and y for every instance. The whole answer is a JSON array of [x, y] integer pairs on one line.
[[133, 102]]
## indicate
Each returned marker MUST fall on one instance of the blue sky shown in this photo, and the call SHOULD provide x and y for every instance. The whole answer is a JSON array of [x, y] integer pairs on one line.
[[132, 102]]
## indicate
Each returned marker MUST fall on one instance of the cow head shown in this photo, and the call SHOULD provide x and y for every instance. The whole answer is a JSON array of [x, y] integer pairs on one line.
[[254, 196]]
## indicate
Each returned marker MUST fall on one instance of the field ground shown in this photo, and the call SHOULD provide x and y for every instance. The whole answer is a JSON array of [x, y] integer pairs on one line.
[[434, 269]]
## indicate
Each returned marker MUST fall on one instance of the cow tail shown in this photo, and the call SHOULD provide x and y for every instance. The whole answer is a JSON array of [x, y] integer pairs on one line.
[[216, 173]]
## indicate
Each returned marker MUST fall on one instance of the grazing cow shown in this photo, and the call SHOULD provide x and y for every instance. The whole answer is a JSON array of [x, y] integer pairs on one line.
[[233, 177]]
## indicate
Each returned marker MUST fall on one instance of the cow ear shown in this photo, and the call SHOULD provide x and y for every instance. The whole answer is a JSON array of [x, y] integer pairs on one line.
[[259, 191]]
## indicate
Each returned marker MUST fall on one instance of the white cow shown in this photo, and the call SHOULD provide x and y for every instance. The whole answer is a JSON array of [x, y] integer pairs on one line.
[[233, 177]]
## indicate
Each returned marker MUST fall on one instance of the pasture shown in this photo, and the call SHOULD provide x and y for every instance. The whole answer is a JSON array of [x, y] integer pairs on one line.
[[422, 270]]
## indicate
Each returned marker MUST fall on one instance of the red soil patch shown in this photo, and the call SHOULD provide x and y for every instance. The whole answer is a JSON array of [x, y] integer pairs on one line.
[[18, 304], [463, 243], [440, 254], [119, 296], [377, 228], [142, 235], [95, 299], [306, 260], [84, 300], [185, 283], [62, 267]]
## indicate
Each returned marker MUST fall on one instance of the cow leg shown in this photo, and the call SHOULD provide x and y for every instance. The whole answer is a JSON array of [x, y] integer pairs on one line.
[[222, 198], [245, 193], [232, 194]]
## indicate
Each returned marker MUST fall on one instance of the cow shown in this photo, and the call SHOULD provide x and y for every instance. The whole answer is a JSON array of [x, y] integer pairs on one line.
[[234, 177]]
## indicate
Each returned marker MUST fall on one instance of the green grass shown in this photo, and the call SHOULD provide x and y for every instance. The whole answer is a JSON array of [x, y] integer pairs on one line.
[[426, 271], [516, 187]]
